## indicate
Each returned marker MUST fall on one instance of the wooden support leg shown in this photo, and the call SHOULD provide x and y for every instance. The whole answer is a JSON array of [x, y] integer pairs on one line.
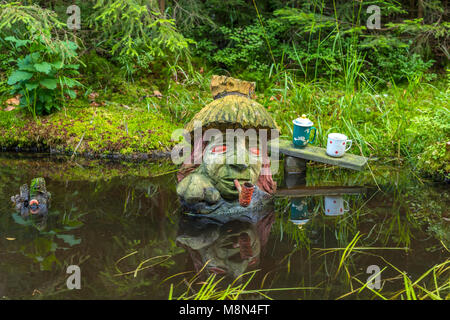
[[294, 172]]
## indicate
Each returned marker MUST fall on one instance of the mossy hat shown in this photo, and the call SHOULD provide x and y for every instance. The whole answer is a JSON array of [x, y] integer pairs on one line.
[[232, 108]]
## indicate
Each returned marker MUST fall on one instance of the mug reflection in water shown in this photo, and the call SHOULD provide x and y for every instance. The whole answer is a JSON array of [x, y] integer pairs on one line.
[[335, 205], [299, 212]]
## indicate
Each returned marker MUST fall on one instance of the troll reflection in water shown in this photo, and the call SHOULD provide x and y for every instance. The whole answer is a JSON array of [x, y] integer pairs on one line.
[[228, 246]]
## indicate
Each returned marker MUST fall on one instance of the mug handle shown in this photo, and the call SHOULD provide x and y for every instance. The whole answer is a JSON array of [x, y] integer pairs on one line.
[[314, 138], [350, 144], [347, 205]]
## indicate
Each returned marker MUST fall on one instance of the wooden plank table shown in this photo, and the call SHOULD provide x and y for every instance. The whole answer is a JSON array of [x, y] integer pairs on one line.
[[349, 161]]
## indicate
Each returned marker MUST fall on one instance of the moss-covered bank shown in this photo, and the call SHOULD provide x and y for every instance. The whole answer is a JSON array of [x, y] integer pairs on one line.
[[96, 131]]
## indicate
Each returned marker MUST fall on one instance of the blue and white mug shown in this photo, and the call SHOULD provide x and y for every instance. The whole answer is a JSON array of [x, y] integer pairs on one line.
[[302, 129]]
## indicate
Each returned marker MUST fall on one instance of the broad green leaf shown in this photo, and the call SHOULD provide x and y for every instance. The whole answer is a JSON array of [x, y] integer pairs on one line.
[[35, 56], [31, 86], [12, 39], [71, 45], [43, 67], [26, 64], [49, 83], [19, 75], [69, 239], [58, 64]]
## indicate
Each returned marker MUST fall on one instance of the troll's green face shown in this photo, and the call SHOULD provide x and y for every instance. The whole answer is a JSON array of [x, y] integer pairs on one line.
[[224, 163]]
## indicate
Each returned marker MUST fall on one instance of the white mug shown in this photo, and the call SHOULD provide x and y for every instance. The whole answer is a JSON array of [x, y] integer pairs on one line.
[[334, 206], [337, 144]]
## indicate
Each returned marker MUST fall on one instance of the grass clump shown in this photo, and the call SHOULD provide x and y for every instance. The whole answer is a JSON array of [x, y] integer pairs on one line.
[[408, 123]]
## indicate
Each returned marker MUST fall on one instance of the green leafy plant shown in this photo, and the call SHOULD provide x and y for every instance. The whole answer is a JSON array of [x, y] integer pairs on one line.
[[43, 76], [40, 65]]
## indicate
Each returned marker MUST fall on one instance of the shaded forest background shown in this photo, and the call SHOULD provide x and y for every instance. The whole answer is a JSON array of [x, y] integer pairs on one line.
[[315, 39]]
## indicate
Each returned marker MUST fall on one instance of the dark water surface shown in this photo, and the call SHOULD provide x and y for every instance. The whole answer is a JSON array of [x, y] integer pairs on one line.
[[120, 222]]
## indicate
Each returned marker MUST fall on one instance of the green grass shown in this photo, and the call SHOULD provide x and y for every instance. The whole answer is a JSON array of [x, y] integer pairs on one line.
[[408, 123], [218, 288], [432, 284]]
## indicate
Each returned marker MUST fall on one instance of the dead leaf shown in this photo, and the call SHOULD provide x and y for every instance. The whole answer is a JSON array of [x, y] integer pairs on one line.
[[94, 104], [9, 108], [157, 94], [13, 101], [36, 291], [93, 96], [201, 70]]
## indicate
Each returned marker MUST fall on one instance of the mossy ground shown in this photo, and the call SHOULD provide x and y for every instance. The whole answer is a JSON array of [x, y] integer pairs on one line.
[[94, 130]]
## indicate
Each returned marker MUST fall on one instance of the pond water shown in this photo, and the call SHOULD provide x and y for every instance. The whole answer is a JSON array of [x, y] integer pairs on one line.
[[123, 226]]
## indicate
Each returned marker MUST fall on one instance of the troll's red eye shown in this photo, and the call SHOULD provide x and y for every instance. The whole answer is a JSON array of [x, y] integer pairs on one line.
[[254, 151], [219, 149]]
